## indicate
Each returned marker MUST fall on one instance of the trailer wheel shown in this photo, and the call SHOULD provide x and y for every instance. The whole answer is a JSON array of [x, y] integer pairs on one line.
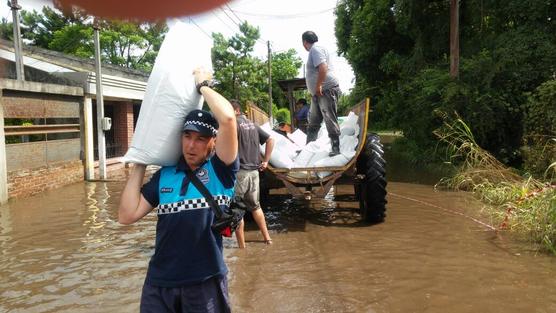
[[372, 190]]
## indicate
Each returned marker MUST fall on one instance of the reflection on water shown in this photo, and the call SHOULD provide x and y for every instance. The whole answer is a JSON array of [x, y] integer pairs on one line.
[[425, 258], [63, 251]]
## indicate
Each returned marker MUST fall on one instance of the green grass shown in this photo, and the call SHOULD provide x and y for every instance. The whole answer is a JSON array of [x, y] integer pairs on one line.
[[521, 205]]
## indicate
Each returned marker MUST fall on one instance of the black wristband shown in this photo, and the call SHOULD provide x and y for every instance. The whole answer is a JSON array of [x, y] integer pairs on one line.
[[206, 83]]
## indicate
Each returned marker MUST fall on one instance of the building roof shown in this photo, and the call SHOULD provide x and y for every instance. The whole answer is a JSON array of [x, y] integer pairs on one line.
[[55, 67], [295, 84]]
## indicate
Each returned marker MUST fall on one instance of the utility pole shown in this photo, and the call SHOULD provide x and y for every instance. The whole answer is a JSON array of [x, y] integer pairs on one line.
[[454, 38], [269, 83], [100, 106], [19, 69]]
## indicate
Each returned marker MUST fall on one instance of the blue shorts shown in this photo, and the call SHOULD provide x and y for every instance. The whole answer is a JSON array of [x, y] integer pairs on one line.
[[210, 296]]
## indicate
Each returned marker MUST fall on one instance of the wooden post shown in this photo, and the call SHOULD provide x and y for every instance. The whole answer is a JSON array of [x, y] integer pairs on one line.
[[454, 38]]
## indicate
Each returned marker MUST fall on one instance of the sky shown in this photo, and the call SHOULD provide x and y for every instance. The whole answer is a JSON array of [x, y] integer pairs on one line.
[[280, 21]]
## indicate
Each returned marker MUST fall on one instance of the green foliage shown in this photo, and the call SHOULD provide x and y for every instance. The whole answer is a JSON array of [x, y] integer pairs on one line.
[[242, 76], [6, 29], [399, 50], [345, 102], [539, 149], [523, 205], [237, 72], [283, 115], [128, 44], [285, 65]]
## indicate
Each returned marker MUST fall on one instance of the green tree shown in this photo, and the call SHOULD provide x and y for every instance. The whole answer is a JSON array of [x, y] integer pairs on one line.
[[237, 72], [128, 44], [6, 29], [399, 50], [285, 65], [242, 76]]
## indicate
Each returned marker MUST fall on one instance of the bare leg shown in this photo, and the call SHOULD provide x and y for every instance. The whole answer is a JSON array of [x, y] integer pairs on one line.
[[259, 218], [240, 235]]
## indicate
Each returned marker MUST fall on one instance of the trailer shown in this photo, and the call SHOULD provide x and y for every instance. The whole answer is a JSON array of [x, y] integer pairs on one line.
[[366, 171]]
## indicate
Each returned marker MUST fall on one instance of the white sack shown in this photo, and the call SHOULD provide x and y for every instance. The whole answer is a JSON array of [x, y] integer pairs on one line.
[[337, 160], [278, 158], [315, 154], [349, 126], [284, 150], [169, 96], [298, 137], [348, 144], [318, 156], [303, 158]]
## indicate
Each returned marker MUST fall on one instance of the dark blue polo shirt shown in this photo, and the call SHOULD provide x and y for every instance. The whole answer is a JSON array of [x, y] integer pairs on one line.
[[187, 251]]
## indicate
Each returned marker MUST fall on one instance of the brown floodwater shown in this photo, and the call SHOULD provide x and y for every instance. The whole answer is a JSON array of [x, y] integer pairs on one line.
[[63, 251]]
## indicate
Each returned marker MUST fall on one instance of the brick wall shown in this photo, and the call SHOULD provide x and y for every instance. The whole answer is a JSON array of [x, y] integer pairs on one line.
[[33, 167], [27, 182], [123, 124]]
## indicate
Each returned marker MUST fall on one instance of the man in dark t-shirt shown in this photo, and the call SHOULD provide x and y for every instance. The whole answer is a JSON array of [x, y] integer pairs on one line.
[[250, 136]]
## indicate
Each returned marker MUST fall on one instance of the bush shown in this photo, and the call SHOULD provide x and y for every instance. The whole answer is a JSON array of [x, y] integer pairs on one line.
[[283, 115], [539, 146]]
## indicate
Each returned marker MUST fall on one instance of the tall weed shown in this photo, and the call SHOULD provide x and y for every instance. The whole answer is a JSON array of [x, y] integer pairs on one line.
[[524, 206]]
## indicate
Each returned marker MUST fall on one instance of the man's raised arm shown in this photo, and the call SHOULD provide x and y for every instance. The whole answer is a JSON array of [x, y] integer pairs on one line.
[[226, 140]]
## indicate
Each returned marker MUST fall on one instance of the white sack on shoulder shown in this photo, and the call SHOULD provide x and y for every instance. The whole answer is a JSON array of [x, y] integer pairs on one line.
[[169, 96]]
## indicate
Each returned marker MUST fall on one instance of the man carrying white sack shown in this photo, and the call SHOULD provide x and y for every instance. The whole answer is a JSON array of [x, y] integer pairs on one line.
[[187, 272], [325, 91], [247, 186]]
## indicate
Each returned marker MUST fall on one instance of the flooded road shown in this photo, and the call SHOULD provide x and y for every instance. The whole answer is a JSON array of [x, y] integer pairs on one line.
[[63, 251]]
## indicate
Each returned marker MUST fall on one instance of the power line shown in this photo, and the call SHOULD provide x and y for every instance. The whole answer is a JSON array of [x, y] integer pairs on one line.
[[260, 40], [204, 32], [230, 17], [284, 16], [221, 20], [234, 13]]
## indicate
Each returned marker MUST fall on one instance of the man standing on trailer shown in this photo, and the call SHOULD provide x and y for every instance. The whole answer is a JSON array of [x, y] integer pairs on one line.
[[325, 91]]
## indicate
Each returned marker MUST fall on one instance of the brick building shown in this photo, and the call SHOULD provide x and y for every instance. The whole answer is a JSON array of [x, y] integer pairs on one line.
[[48, 122]]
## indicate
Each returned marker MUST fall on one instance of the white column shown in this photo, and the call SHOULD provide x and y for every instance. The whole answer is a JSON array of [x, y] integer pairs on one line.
[[101, 141], [3, 167], [89, 139]]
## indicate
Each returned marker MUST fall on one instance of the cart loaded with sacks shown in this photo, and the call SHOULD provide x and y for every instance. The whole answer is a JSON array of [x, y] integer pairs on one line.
[[307, 171]]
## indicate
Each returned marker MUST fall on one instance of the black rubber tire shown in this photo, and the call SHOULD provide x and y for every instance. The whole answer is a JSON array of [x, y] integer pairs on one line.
[[372, 191]]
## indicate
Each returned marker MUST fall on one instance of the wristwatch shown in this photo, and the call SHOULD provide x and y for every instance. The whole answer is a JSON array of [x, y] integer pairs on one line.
[[206, 83]]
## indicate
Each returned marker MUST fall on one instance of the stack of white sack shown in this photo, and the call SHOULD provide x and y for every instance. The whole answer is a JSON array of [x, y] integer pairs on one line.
[[285, 150], [292, 152], [169, 96]]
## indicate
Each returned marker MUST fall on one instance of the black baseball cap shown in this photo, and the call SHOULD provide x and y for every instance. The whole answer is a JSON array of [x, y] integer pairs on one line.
[[202, 122]]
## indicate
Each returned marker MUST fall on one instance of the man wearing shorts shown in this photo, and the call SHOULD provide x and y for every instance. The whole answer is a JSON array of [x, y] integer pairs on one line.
[[246, 195]]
